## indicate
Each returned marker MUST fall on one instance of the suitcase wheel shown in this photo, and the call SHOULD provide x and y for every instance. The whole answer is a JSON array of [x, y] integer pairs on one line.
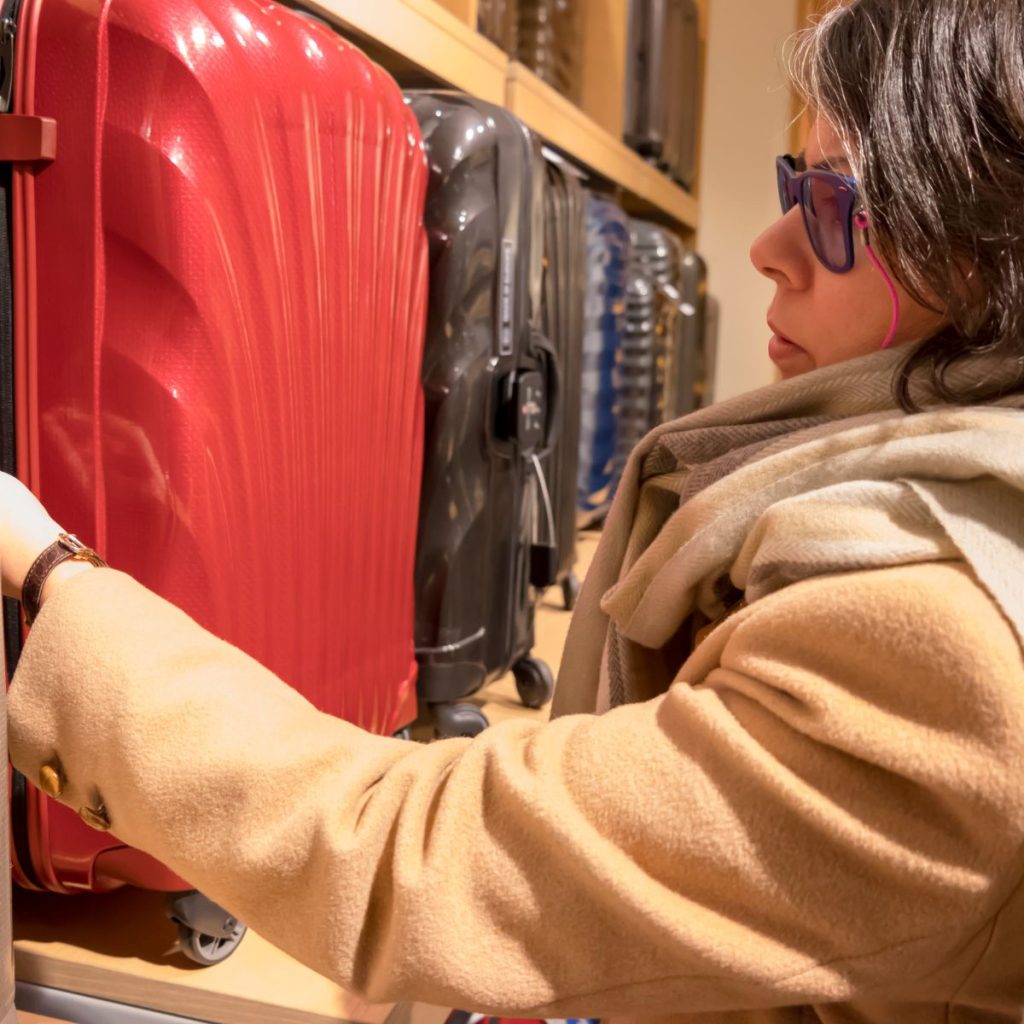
[[458, 720], [208, 949], [570, 591], [535, 682], [207, 934]]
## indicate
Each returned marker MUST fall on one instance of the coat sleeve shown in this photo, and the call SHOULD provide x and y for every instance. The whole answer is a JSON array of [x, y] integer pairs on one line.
[[825, 814]]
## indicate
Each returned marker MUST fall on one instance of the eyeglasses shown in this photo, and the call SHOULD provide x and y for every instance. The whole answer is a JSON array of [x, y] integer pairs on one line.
[[827, 202]]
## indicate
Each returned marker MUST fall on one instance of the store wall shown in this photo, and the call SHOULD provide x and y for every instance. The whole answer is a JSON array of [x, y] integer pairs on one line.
[[747, 109]]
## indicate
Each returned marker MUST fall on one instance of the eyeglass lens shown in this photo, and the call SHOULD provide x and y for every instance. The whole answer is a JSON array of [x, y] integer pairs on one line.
[[823, 213]]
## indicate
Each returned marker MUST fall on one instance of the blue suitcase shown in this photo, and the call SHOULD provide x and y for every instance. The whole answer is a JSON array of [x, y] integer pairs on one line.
[[604, 326]]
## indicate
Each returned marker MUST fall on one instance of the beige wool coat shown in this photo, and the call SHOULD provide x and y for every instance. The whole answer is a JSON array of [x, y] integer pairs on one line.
[[819, 817]]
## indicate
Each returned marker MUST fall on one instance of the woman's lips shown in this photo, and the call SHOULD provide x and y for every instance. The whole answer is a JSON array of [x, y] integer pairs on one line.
[[781, 349]]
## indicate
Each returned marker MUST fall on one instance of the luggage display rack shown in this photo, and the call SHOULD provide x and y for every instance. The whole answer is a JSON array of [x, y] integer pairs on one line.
[[435, 42]]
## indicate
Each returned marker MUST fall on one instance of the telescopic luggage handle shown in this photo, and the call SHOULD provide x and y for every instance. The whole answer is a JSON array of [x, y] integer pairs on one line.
[[544, 553]]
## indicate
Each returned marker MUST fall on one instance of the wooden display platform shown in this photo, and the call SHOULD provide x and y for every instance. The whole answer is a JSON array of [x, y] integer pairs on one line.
[[121, 947], [422, 36]]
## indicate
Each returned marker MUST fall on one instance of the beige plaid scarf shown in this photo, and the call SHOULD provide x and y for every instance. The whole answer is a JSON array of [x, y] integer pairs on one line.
[[816, 475]]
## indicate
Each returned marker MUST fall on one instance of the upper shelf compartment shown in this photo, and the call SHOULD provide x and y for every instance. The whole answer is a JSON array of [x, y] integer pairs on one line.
[[424, 37], [436, 41], [567, 128]]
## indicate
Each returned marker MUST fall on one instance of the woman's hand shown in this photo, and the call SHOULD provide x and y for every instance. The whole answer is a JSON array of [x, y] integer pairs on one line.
[[25, 530]]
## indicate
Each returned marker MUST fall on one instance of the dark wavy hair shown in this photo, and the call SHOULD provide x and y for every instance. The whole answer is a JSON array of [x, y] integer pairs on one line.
[[929, 98]]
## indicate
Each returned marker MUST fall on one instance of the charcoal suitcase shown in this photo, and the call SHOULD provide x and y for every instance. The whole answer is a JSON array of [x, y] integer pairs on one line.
[[562, 323], [639, 391], [219, 292], [486, 534], [604, 326], [663, 84], [694, 374], [702, 321], [498, 20], [677, 317], [550, 37]]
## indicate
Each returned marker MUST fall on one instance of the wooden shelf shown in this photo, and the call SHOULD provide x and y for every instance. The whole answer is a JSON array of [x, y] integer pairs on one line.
[[422, 35], [435, 41], [566, 127], [121, 947]]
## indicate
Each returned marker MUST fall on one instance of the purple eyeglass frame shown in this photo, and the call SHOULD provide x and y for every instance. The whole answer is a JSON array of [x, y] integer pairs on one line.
[[793, 191]]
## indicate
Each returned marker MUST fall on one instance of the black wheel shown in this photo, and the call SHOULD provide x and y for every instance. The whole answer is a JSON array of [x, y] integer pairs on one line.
[[458, 720], [208, 949], [535, 682], [570, 591]]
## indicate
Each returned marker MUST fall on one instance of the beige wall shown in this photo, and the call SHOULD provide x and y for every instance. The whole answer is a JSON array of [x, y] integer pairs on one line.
[[746, 116]]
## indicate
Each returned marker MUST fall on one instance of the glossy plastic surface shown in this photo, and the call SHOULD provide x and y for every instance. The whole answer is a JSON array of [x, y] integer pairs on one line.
[[498, 20], [663, 84], [637, 393], [474, 612], [221, 298], [604, 325], [658, 256], [562, 323], [550, 40]]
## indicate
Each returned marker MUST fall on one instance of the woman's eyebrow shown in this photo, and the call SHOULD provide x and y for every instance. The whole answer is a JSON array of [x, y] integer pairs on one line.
[[837, 164]]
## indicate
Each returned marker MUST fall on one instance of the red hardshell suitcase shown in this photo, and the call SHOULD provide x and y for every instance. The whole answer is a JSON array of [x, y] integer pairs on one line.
[[220, 300]]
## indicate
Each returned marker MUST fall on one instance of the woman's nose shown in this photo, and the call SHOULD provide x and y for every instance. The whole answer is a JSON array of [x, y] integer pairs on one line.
[[782, 252]]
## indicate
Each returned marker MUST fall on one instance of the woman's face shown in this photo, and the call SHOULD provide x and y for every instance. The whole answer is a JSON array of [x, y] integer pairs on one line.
[[818, 317]]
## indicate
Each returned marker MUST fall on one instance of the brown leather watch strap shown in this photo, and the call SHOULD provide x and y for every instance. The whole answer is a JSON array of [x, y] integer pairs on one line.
[[66, 546]]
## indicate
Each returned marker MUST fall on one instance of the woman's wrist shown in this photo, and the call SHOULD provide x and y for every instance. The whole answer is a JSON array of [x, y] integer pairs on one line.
[[66, 548], [60, 575]]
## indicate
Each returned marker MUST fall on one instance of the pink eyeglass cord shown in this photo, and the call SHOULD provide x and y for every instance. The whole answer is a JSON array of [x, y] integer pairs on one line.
[[860, 221]]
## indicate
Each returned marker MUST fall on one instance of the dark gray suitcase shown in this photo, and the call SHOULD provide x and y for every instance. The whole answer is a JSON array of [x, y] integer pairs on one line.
[[485, 542], [638, 398], [562, 323], [550, 40], [698, 338], [660, 256], [498, 20], [663, 84], [712, 314]]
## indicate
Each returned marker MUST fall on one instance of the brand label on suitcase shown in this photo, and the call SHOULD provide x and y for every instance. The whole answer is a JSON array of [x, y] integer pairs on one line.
[[508, 286]]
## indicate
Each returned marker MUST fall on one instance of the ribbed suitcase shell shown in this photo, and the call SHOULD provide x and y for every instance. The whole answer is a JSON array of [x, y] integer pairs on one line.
[[484, 215], [221, 293], [698, 332], [550, 40], [640, 391], [562, 323], [604, 325], [676, 313], [663, 84]]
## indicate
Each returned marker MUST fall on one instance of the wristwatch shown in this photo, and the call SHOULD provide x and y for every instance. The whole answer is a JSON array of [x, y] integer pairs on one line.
[[66, 547]]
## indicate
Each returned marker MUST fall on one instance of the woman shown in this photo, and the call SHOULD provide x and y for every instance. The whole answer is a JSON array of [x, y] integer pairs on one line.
[[805, 616]]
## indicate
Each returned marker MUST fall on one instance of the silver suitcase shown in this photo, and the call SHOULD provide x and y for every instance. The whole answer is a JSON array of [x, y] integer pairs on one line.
[[663, 85]]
